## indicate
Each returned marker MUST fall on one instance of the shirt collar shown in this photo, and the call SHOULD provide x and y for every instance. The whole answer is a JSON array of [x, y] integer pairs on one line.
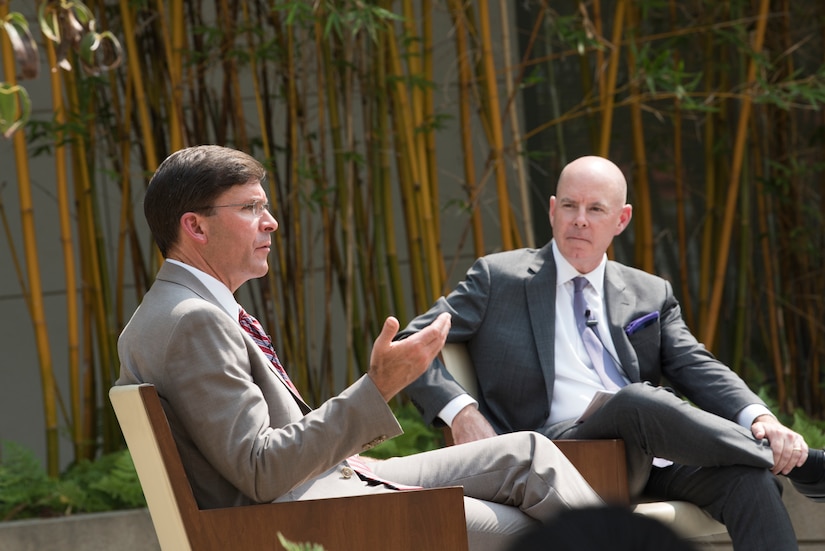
[[221, 292], [566, 272]]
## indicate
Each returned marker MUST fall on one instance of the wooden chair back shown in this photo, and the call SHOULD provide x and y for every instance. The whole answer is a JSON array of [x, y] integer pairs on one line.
[[410, 520]]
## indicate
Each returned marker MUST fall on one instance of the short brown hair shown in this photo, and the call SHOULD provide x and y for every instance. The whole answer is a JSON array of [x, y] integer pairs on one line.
[[189, 180]]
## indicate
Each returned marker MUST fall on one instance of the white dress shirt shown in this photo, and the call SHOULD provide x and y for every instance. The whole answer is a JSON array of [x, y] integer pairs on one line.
[[221, 291], [576, 380]]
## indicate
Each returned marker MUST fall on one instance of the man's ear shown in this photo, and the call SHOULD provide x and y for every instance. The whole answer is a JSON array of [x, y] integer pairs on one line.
[[624, 218], [191, 227]]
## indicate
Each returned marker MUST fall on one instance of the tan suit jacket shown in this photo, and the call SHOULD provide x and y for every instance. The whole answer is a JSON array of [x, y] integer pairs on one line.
[[242, 435]]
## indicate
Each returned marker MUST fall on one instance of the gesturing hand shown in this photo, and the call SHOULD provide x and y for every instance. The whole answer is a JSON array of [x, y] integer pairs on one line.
[[394, 365]]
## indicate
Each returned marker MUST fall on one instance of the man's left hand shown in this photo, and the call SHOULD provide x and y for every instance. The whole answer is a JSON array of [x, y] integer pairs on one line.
[[789, 448]]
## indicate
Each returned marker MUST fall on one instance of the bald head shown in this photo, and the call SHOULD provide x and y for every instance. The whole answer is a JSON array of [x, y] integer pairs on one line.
[[594, 169]]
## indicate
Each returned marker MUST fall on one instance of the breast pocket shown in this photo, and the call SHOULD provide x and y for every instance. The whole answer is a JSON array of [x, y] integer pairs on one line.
[[646, 342]]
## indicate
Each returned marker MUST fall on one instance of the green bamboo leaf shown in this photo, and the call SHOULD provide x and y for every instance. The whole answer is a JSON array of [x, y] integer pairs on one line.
[[49, 22], [82, 12], [87, 48], [23, 45], [10, 98]]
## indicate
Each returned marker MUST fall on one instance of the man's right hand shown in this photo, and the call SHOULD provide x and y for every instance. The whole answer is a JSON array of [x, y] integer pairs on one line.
[[394, 365], [470, 425]]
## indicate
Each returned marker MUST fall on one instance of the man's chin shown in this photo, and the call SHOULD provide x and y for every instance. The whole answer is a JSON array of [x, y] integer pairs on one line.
[[262, 271]]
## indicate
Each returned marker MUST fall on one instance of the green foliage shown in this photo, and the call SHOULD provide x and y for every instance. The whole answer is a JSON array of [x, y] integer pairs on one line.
[[292, 546], [109, 483], [24, 486], [339, 18], [105, 484], [417, 436], [13, 100], [812, 431]]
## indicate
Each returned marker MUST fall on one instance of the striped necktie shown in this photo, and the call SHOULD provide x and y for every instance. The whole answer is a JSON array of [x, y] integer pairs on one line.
[[602, 361], [253, 327]]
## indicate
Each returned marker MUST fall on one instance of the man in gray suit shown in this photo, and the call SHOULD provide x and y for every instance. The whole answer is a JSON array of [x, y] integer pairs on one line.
[[538, 360], [243, 432]]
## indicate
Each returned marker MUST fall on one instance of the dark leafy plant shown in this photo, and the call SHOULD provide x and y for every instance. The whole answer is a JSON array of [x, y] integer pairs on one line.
[[417, 436], [26, 491]]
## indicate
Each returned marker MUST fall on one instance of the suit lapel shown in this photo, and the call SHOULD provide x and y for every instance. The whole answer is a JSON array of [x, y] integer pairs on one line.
[[540, 289], [619, 305], [261, 358], [181, 276]]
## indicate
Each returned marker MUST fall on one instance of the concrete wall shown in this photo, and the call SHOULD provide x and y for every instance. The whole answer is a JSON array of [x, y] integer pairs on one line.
[[120, 530]]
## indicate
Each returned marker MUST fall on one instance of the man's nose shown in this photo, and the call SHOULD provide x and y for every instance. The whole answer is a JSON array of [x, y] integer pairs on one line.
[[269, 222], [581, 218]]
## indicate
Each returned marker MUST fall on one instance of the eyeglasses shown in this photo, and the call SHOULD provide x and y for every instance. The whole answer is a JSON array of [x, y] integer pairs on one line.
[[256, 207]]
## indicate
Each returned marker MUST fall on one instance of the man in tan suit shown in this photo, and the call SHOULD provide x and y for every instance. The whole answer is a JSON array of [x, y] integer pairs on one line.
[[244, 435]]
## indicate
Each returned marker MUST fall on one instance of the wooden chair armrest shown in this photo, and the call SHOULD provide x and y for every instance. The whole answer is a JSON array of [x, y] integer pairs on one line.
[[378, 521]]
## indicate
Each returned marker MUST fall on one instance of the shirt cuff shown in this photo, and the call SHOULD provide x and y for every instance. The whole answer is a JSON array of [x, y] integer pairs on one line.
[[746, 417], [448, 412]]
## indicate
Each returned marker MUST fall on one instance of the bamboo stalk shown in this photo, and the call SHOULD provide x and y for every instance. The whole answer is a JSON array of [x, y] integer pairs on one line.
[[408, 172], [424, 197], [496, 158], [512, 116], [769, 261], [80, 440], [679, 183], [383, 195], [132, 52], [173, 45], [600, 62], [709, 333], [642, 209], [35, 290], [709, 226], [296, 259], [465, 119], [436, 262], [610, 86]]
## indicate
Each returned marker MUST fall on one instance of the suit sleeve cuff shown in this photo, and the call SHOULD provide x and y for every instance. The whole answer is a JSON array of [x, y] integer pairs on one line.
[[749, 413], [448, 412]]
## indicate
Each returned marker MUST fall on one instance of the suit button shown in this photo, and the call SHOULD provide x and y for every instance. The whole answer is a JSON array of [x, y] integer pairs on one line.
[[346, 473]]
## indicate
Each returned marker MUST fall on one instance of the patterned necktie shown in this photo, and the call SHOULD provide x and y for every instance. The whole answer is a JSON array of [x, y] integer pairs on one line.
[[253, 327], [588, 328]]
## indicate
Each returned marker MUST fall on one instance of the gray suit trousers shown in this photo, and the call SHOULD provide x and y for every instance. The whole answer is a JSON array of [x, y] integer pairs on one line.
[[718, 464], [511, 483]]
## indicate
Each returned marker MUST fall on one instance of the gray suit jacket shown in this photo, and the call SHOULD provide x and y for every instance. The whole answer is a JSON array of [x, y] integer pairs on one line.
[[243, 437], [505, 312]]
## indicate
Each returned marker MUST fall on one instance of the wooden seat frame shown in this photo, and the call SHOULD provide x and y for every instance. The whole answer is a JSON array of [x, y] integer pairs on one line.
[[409, 520]]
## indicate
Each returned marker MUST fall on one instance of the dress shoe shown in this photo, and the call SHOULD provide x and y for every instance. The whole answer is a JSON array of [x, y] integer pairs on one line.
[[809, 479]]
